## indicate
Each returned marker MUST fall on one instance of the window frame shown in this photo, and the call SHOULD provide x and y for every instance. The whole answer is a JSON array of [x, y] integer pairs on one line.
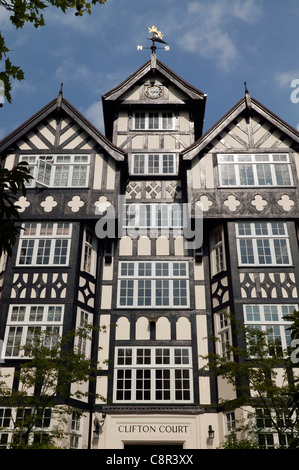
[[267, 243], [261, 322], [135, 162], [217, 251], [223, 333], [43, 169], [253, 160], [43, 245], [26, 326], [152, 384], [153, 123], [151, 287], [89, 252], [154, 216]]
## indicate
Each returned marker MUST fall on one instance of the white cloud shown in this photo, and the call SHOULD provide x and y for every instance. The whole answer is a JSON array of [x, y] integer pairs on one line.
[[209, 28], [285, 78], [246, 10], [70, 70]]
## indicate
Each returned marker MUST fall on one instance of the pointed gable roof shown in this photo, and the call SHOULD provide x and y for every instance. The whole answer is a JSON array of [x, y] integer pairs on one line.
[[113, 98], [53, 108], [249, 105], [159, 67]]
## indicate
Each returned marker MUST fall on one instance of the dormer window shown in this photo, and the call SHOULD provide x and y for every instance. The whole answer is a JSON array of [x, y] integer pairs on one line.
[[153, 121]]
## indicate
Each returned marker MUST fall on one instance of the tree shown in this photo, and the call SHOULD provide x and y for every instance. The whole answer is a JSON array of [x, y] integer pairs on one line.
[[32, 11], [253, 373], [12, 184], [54, 364]]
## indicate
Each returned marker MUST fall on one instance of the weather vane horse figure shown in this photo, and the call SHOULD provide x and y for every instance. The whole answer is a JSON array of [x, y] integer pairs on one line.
[[155, 32]]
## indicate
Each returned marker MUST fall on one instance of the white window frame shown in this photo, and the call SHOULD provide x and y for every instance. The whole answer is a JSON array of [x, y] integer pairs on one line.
[[218, 262], [223, 334], [39, 243], [253, 242], [137, 289], [75, 429], [268, 434], [141, 164], [152, 120], [21, 319], [154, 216], [233, 163], [83, 344], [89, 252], [140, 361], [44, 169], [15, 415], [269, 318]]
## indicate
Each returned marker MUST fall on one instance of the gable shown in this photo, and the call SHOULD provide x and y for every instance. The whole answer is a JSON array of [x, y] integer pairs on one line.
[[58, 126], [133, 92], [52, 134], [246, 128]]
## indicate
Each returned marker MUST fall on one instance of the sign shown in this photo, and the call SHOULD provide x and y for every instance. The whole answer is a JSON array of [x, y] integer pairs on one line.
[[152, 428]]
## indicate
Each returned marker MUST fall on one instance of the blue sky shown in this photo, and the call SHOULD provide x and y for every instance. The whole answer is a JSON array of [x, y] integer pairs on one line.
[[215, 45]]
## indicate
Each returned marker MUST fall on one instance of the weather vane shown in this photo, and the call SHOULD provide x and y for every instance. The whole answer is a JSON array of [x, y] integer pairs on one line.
[[156, 37]]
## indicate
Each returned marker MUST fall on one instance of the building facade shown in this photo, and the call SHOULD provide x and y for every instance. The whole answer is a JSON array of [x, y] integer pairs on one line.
[[105, 242]]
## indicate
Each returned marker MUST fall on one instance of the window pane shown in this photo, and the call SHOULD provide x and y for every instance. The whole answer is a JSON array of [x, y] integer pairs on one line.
[[26, 252], [61, 175], [281, 251], [227, 175], [246, 250], [43, 252], [144, 293], [79, 177], [282, 174], [263, 250], [264, 175], [162, 293], [246, 175], [153, 164]]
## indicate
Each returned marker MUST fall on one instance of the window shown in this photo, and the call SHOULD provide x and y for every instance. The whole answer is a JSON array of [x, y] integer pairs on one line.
[[268, 438], [154, 216], [84, 320], [44, 244], [26, 320], [12, 419], [255, 170], [153, 164], [58, 170], [223, 334], [5, 426], [75, 430], [153, 375], [153, 284], [153, 121], [89, 252], [217, 251], [263, 243], [269, 318], [230, 426]]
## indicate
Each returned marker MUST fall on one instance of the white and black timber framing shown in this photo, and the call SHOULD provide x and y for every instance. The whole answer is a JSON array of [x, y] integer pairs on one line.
[[59, 129]]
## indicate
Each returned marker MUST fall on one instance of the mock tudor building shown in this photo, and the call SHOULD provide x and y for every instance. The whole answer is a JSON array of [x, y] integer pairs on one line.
[[105, 242]]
